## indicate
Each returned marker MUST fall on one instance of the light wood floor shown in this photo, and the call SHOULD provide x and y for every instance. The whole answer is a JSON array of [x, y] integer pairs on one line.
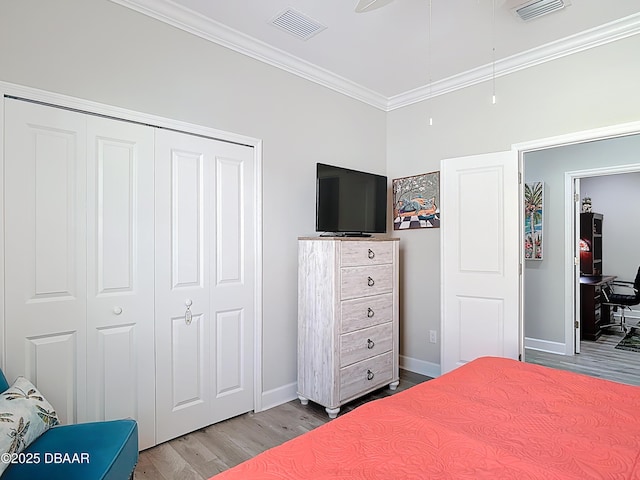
[[597, 359], [202, 454]]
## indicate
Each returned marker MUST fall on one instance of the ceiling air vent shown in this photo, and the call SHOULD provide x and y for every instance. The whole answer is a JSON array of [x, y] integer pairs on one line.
[[536, 8], [297, 24]]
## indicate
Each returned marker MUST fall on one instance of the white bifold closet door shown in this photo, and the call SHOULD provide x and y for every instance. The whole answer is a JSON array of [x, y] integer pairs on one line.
[[205, 281], [79, 319], [129, 269]]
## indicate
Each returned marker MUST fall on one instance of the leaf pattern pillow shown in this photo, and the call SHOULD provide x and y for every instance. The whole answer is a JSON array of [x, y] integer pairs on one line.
[[24, 415]]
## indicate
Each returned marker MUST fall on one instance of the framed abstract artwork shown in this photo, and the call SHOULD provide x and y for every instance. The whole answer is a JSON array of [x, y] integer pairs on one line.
[[416, 201], [533, 220]]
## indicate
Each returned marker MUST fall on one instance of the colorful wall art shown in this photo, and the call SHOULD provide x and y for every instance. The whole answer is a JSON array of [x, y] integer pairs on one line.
[[416, 201], [533, 220]]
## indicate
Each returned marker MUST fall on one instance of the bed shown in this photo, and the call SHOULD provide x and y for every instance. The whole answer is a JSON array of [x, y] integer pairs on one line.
[[491, 418]]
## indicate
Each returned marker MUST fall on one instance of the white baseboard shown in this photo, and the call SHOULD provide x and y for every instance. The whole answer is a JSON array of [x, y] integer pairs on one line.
[[420, 366], [545, 346], [278, 396]]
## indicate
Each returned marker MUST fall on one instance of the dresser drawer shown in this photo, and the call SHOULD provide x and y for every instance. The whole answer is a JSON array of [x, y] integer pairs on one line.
[[365, 343], [366, 253], [365, 375], [366, 312], [362, 281]]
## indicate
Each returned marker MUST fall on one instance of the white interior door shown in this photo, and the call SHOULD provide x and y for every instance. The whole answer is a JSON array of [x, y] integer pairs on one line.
[[45, 252], [205, 281], [481, 258], [120, 277]]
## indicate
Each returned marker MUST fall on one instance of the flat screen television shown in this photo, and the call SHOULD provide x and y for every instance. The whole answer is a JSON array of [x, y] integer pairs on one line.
[[349, 202]]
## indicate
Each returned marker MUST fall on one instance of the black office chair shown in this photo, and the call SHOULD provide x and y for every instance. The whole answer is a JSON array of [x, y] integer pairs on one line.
[[621, 297]]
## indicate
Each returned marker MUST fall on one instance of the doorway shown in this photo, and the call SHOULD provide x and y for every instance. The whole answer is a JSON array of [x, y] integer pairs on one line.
[[551, 303], [612, 193]]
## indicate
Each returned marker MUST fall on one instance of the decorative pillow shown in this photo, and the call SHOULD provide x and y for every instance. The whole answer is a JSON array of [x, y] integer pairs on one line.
[[24, 416]]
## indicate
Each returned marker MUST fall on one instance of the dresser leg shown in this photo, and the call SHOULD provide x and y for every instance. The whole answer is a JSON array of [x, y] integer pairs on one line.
[[333, 412], [394, 385], [303, 400]]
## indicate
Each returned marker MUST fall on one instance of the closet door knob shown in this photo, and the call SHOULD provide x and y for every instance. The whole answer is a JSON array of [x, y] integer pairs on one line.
[[371, 254], [371, 282], [117, 310]]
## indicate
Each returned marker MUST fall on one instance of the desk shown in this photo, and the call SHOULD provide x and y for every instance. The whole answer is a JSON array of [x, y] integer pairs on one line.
[[592, 312]]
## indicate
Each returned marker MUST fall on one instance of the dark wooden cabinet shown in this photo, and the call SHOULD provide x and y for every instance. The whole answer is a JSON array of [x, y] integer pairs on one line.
[[592, 313], [591, 243]]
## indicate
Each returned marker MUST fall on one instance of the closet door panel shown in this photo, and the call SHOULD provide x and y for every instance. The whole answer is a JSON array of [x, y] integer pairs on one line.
[[188, 367], [45, 292], [229, 352], [51, 366], [229, 225], [117, 396], [187, 222], [204, 271], [182, 285], [120, 244], [232, 289]]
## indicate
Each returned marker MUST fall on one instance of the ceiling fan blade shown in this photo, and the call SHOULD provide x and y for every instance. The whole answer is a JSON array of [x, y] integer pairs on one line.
[[368, 5]]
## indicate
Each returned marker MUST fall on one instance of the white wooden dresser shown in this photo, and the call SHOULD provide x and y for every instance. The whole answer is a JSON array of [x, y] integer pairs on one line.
[[348, 319]]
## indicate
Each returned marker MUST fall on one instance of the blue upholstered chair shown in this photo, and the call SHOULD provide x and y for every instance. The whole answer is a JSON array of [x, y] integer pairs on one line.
[[103, 450]]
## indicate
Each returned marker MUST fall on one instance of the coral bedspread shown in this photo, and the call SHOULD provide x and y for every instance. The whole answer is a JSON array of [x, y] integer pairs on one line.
[[491, 418]]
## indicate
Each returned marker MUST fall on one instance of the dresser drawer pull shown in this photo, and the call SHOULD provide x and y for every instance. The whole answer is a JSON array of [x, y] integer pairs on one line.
[[370, 312], [370, 343], [371, 254], [370, 375], [371, 282]]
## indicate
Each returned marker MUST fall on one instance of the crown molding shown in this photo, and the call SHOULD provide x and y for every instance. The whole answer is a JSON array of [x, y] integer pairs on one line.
[[170, 13], [208, 29], [594, 37]]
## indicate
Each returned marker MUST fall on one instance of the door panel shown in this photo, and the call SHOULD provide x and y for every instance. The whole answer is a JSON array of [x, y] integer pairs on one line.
[[480, 258], [204, 282], [182, 286], [45, 226], [229, 352], [188, 363], [232, 289], [120, 280], [229, 226], [51, 366], [117, 396], [187, 221]]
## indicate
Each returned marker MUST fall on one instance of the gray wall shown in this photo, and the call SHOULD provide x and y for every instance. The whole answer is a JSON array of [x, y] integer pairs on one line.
[[587, 90], [98, 50], [544, 280], [617, 197]]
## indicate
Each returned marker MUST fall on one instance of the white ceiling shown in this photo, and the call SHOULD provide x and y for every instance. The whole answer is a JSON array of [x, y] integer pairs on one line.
[[382, 56]]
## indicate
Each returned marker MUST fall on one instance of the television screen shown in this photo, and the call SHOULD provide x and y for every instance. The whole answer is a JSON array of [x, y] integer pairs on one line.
[[349, 201]]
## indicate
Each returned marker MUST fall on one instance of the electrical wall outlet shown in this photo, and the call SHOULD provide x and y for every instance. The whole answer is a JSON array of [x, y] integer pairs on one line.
[[433, 336]]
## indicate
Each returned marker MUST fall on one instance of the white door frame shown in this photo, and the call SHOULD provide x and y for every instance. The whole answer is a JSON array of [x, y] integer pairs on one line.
[[55, 99], [571, 236], [613, 131]]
